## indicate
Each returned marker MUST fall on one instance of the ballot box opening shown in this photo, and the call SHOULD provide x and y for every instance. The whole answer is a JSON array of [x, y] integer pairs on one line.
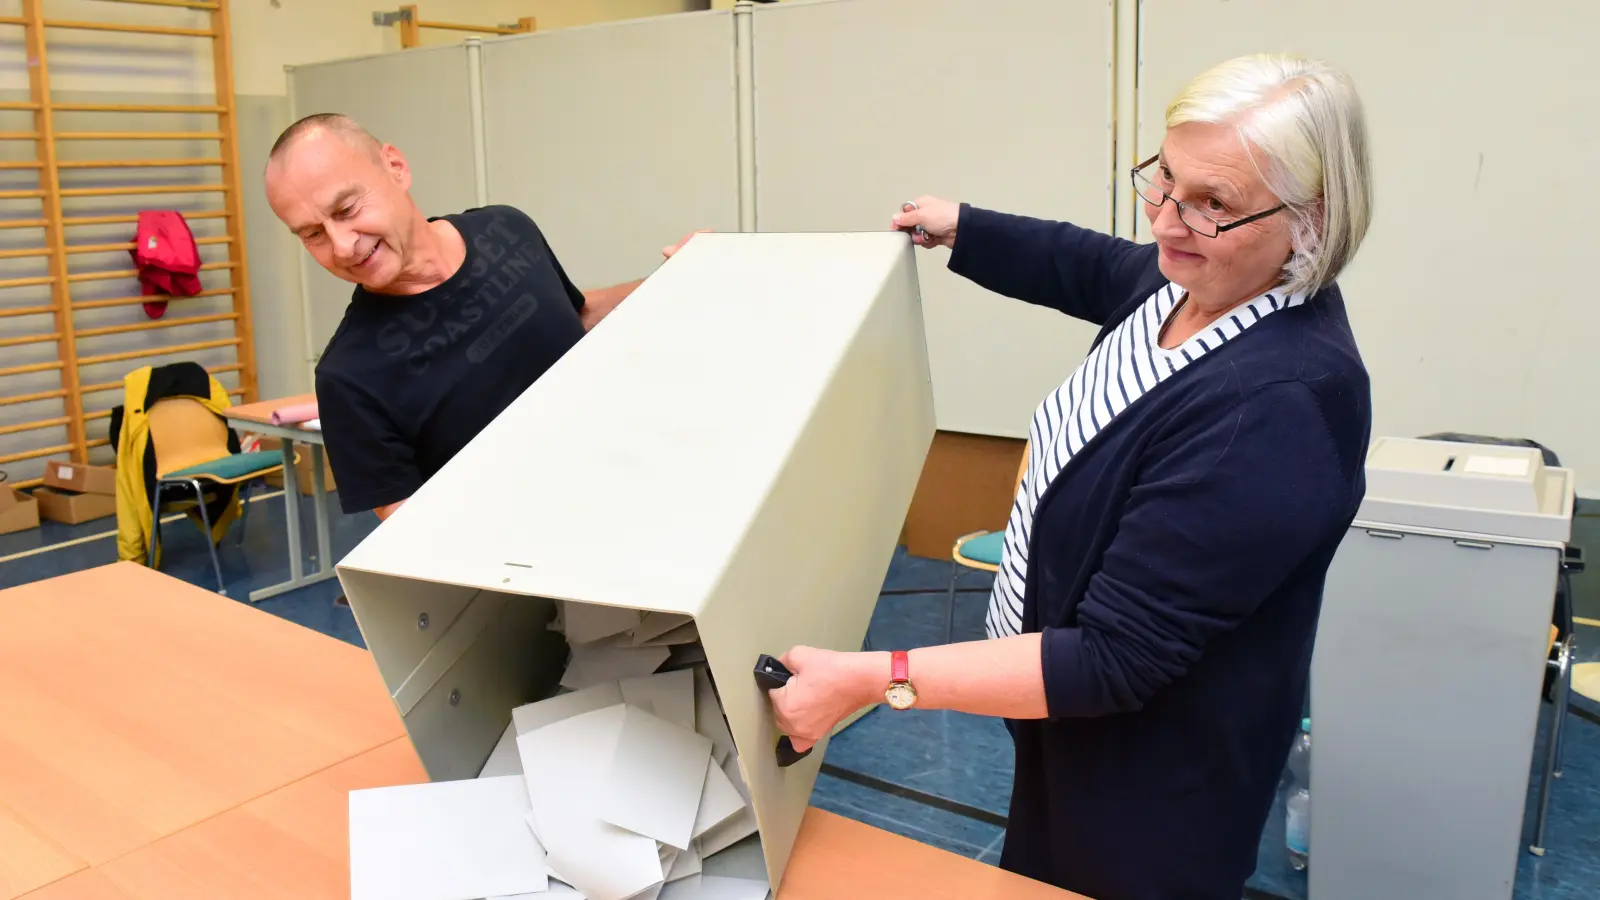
[[573, 749]]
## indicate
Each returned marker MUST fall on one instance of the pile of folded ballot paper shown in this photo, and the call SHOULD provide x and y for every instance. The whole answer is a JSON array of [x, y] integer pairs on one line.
[[624, 785]]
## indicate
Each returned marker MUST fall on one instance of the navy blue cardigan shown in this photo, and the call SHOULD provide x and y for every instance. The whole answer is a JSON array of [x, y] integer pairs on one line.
[[1176, 572]]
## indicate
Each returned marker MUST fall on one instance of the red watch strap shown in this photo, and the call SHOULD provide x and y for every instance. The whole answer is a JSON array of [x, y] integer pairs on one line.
[[899, 666]]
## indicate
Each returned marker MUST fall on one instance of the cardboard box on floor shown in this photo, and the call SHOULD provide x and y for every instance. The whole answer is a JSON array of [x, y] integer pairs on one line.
[[77, 492], [738, 442], [73, 493], [18, 510]]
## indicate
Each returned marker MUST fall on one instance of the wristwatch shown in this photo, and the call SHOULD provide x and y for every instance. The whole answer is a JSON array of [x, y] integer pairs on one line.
[[900, 694]]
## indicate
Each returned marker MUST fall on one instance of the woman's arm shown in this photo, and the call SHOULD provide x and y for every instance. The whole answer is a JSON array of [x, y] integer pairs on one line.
[[1001, 677], [1233, 503], [1073, 270]]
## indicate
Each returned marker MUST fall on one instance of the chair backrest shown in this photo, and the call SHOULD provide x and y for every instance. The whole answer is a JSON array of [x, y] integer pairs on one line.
[[186, 433], [1022, 469]]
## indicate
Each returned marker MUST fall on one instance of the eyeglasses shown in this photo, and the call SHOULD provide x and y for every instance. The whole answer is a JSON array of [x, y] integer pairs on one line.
[[1199, 222]]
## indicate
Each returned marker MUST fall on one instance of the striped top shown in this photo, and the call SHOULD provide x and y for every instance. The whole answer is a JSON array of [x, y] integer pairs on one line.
[[1122, 368]]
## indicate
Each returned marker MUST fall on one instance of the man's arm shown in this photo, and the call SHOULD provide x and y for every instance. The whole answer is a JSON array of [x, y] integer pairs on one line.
[[598, 303], [385, 512]]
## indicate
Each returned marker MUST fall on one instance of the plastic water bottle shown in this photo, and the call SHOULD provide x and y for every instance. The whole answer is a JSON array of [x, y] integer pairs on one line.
[[1298, 830]]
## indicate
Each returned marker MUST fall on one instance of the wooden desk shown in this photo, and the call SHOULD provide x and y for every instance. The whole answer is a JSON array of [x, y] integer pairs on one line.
[[258, 417], [159, 742]]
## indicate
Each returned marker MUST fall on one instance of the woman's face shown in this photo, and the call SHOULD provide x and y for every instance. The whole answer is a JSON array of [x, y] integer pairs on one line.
[[1206, 166]]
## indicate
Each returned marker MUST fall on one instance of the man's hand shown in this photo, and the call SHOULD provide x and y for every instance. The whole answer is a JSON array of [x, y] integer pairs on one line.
[[666, 252]]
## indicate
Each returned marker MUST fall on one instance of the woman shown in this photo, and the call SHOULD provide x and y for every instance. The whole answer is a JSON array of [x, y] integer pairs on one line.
[[1151, 626]]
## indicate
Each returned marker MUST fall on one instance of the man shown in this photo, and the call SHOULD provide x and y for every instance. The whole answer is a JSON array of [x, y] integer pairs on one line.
[[451, 319]]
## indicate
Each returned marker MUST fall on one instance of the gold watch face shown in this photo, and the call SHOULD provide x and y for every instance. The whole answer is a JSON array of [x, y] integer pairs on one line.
[[900, 695]]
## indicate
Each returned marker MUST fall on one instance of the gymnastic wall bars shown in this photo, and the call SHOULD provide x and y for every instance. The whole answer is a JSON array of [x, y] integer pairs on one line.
[[411, 24], [48, 139]]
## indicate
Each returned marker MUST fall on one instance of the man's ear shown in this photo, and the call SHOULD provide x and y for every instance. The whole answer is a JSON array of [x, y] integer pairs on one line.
[[394, 163]]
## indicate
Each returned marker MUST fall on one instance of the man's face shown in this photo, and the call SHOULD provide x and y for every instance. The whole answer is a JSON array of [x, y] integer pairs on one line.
[[347, 203]]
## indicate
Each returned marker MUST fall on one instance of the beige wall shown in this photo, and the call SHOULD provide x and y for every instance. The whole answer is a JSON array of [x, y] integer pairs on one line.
[[89, 66]]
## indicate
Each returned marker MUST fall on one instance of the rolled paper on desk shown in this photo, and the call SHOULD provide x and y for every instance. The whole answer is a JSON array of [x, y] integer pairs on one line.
[[294, 414]]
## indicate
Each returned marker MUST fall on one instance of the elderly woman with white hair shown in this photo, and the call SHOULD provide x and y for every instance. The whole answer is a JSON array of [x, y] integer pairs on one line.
[[1150, 629]]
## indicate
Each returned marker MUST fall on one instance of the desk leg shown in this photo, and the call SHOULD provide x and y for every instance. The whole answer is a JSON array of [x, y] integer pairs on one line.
[[319, 502], [291, 508]]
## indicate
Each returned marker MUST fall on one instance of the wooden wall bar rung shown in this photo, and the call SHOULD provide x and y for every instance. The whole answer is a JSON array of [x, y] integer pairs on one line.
[[128, 245], [136, 163], [128, 29], [186, 4], [131, 219], [136, 107], [147, 298], [32, 398], [30, 369], [50, 193], [26, 282], [34, 454], [27, 339], [156, 351], [117, 385], [138, 136], [134, 273], [8, 311], [154, 324], [35, 425], [138, 190]]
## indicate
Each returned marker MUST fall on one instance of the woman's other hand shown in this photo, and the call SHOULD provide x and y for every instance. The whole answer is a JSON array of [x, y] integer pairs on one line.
[[937, 218], [824, 687], [666, 252]]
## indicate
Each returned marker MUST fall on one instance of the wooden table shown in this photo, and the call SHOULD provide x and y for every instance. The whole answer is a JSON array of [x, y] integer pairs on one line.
[[258, 417], [159, 742]]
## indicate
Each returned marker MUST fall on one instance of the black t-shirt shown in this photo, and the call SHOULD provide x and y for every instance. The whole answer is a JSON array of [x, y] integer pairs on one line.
[[407, 381]]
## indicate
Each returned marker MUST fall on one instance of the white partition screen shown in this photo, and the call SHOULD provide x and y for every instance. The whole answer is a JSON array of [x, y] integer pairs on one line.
[[617, 139], [1470, 298], [421, 102], [862, 104]]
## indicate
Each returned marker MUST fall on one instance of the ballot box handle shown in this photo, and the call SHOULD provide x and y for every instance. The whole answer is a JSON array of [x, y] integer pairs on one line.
[[771, 675]]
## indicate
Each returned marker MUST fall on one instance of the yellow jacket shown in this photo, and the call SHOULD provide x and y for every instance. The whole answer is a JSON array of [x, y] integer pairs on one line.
[[136, 457]]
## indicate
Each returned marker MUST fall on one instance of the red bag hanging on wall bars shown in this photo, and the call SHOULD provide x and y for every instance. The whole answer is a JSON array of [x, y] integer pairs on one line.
[[165, 255]]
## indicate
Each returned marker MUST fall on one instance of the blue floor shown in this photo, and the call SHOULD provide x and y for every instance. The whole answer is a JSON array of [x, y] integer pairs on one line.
[[938, 777]]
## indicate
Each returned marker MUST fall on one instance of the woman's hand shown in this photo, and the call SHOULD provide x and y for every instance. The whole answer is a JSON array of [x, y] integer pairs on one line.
[[666, 252], [824, 687], [937, 218]]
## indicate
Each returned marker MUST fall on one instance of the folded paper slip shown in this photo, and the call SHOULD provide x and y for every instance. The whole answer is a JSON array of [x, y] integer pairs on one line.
[[294, 414]]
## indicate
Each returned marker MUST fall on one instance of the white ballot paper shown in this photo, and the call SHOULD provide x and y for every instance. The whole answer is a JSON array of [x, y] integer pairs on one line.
[[565, 765], [458, 839], [504, 759], [708, 718], [603, 661], [656, 775], [564, 706], [668, 695]]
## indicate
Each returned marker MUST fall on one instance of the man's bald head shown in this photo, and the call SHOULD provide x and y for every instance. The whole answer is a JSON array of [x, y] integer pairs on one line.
[[346, 196], [325, 125]]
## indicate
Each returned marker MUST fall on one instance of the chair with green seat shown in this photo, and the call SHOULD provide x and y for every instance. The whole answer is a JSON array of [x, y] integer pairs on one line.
[[980, 551], [191, 450]]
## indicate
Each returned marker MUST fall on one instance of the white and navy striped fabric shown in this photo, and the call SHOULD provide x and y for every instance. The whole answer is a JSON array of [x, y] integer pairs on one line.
[[1123, 368]]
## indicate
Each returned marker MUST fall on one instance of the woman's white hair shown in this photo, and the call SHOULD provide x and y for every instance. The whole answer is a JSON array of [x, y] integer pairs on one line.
[[1306, 123]]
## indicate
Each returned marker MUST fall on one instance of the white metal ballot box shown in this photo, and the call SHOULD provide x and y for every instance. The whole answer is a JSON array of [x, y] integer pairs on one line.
[[1426, 678], [568, 615]]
